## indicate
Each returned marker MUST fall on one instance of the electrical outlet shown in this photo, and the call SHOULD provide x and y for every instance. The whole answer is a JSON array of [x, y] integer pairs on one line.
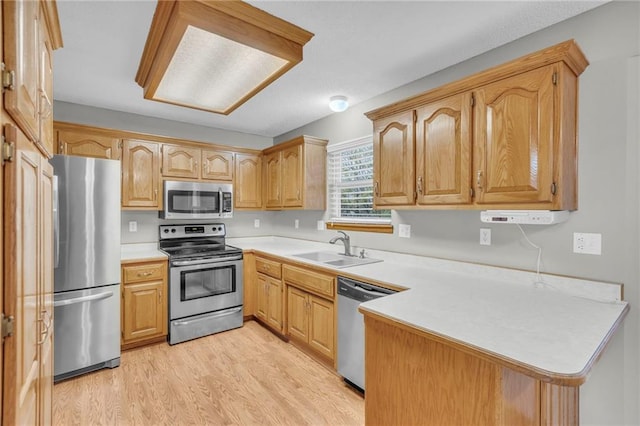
[[133, 226], [586, 243], [320, 225], [404, 231], [256, 223], [485, 236], [296, 223]]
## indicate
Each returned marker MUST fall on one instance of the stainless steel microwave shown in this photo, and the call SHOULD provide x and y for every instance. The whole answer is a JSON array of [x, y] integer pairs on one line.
[[197, 200]]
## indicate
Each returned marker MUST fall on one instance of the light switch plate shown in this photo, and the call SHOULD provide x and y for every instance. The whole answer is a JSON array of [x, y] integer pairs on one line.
[[320, 225], [133, 226], [404, 230], [587, 243], [296, 223], [256, 223], [485, 236]]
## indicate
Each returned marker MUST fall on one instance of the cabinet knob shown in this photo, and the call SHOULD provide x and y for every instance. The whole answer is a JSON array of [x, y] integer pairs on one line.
[[420, 185], [376, 189]]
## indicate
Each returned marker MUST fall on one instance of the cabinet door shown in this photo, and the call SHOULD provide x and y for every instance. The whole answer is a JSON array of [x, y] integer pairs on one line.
[[273, 179], [443, 151], [88, 145], [140, 178], [45, 382], [514, 139], [45, 87], [21, 280], [248, 181], [274, 313], [217, 165], [297, 314], [180, 161], [393, 160], [143, 311], [321, 326], [21, 47], [292, 176], [262, 299]]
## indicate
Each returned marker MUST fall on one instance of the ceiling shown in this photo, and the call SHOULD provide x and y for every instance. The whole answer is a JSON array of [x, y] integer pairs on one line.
[[360, 49]]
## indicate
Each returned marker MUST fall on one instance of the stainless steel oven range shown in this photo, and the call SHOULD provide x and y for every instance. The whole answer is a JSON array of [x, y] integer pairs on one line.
[[205, 280]]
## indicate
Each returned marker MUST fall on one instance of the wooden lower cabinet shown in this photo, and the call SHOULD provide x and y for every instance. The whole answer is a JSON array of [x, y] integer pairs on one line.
[[415, 379], [310, 320], [144, 303], [28, 283], [270, 302]]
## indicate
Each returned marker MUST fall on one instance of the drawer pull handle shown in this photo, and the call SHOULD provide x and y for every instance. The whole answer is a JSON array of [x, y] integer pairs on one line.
[[144, 274]]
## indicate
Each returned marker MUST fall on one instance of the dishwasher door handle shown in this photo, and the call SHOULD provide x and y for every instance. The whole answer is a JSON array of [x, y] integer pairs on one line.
[[371, 292]]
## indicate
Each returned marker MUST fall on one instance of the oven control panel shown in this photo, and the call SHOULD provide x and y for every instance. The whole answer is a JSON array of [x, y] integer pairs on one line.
[[197, 230]]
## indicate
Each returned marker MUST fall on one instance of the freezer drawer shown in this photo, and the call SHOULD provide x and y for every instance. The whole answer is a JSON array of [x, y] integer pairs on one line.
[[87, 330]]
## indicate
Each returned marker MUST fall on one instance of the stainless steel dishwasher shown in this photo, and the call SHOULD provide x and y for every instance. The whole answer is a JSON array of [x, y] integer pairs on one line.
[[351, 327]]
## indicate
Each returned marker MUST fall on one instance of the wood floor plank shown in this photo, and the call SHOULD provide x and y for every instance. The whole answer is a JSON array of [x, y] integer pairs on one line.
[[245, 376]]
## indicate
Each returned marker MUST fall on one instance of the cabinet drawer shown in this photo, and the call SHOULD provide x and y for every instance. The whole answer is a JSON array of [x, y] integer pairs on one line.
[[144, 272], [268, 267], [313, 281]]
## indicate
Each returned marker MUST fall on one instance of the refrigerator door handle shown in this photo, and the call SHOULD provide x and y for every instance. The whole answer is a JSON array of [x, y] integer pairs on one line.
[[83, 299], [56, 224]]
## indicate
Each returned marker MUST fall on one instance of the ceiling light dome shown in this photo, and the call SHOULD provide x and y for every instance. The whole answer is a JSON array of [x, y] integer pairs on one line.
[[338, 103]]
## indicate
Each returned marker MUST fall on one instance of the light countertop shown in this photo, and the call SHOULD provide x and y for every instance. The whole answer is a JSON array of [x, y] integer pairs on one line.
[[552, 326], [141, 252]]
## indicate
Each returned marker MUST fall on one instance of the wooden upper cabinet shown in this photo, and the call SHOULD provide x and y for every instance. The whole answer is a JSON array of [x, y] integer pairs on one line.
[[140, 174], [180, 161], [505, 138], [46, 135], [295, 174], [248, 181], [443, 151], [87, 144], [217, 165], [393, 160], [514, 139], [189, 162], [21, 56], [291, 176], [273, 179]]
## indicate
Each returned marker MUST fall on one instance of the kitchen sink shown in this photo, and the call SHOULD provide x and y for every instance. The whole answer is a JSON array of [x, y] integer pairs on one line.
[[336, 260]]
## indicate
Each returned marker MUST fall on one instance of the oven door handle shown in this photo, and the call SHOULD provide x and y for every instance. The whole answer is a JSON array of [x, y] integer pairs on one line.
[[222, 313], [205, 261]]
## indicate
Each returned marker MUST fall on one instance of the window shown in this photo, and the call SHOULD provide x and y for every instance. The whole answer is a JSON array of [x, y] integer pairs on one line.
[[351, 186]]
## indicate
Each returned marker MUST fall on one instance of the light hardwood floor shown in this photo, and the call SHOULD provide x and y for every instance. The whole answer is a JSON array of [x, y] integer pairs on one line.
[[245, 376]]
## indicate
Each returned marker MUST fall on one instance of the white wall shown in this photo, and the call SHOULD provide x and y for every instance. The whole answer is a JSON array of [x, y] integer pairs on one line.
[[608, 188], [100, 117], [241, 225]]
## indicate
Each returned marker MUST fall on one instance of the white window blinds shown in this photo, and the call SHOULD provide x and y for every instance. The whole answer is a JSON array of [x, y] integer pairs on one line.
[[350, 178]]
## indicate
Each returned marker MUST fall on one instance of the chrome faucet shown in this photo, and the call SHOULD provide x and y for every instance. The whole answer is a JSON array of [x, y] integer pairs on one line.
[[345, 240]]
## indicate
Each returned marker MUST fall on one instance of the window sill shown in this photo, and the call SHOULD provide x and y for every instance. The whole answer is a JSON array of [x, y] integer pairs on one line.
[[382, 228]]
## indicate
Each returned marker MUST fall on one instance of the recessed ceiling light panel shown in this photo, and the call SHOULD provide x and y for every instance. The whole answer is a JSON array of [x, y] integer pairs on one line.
[[216, 55]]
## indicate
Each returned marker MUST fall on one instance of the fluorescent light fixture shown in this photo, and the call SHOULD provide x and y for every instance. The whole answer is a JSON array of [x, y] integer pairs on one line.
[[338, 103], [215, 55]]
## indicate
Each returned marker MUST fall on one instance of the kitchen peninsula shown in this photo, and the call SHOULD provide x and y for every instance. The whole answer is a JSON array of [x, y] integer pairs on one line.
[[473, 344]]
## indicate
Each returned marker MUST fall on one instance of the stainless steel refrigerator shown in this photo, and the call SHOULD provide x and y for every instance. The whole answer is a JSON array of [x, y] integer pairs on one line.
[[87, 265]]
